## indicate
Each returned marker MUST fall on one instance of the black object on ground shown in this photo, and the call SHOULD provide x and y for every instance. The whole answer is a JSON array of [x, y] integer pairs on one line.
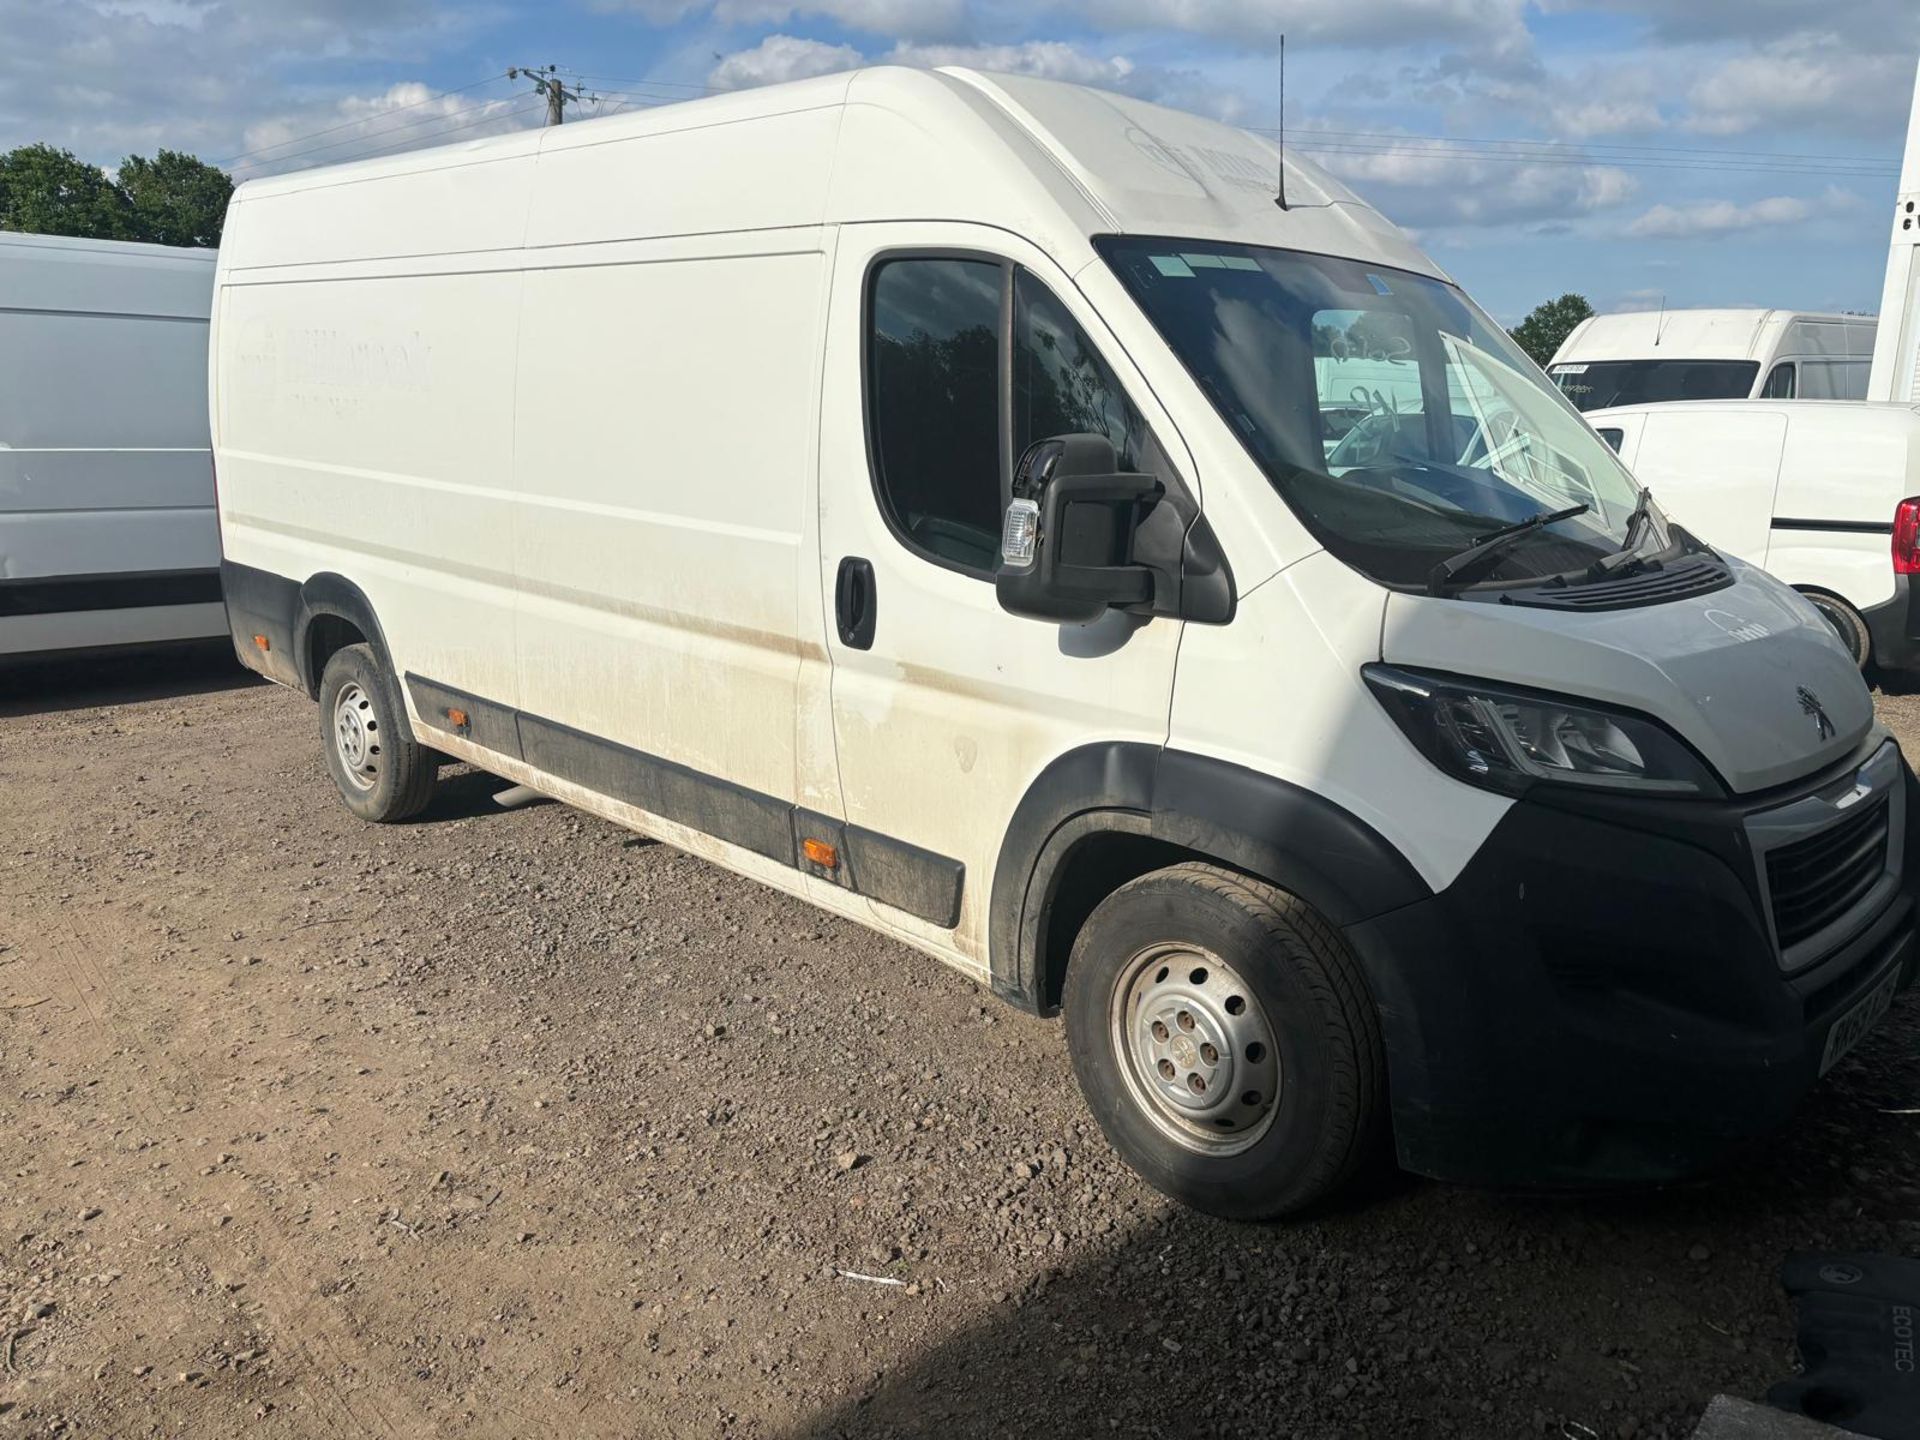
[[1856, 1317]]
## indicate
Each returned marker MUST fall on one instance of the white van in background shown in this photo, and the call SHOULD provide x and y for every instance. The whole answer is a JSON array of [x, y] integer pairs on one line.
[[107, 529], [923, 492], [1651, 357], [1821, 495]]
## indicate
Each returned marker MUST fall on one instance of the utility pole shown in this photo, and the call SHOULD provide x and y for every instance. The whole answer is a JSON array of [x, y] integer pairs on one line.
[[547, 82]]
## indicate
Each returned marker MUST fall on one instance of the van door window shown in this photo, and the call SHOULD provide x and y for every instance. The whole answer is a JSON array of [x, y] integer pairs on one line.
[[1614, 437], [933, 406], [1780, 384], [1061, 386], [1834, 379]]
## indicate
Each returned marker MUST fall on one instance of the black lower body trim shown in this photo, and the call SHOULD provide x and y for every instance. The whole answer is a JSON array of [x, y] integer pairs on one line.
[[885, 869], [1842, 527], [135, 590]]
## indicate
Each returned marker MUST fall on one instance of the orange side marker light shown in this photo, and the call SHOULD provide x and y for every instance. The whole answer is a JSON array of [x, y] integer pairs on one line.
[[821, 853], [263, 642], [458, 718]]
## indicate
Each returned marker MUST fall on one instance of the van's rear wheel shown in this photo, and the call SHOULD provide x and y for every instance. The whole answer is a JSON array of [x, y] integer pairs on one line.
[[1225, 1041], [1846, 623], [382, 772]]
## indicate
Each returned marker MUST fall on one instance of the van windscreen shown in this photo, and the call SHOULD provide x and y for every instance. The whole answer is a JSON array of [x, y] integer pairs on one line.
[[1596, 384], [1399, 423]]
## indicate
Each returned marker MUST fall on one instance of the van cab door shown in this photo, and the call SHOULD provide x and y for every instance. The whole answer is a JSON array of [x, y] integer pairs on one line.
[[950, 349]]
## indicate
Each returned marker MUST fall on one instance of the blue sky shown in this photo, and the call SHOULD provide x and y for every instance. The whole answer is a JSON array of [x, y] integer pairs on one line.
[[1708, 151]]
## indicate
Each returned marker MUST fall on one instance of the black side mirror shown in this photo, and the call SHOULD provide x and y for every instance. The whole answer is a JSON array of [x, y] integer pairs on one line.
[[1066, 552]]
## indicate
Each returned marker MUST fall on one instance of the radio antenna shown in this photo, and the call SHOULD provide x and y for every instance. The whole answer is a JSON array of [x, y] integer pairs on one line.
[[1280, 198]]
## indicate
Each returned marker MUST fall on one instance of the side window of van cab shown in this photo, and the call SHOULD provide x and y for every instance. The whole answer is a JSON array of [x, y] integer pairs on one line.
[[933, 405], [1061, 386], [941, 440], [1780, 384]]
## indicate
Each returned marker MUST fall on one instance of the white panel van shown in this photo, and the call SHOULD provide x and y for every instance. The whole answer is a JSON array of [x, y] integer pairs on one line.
[[1821, 495], [107, 528], [973, 504], [1648, 357]]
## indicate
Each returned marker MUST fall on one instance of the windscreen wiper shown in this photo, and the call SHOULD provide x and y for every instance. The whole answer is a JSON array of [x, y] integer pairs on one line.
[[1629, 551], [1461, 569]]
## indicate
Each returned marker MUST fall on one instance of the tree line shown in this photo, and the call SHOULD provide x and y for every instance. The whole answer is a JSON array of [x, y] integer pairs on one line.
[[170, 199]]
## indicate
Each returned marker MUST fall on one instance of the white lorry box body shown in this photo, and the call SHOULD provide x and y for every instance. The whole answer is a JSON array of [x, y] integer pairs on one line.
[[107, 527], [1655, 356], [1896, 352], [964, 501], [1809, 491]]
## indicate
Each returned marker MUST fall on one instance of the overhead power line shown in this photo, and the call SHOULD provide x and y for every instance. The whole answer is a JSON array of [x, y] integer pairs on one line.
[[523, 107], [439, 130], [349, 124], [489, 107]]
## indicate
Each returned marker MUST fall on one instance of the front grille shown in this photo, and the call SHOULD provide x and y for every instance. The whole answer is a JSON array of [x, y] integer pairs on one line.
[[1815, 881], [1699, 575]]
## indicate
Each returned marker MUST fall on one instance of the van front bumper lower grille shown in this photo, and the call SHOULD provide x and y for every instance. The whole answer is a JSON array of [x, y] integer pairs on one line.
[[1830, 861]]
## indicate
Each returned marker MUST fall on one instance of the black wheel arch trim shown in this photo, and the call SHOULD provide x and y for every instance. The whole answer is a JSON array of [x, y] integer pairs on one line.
[[283, 611], [1207, 807], [329, 594]]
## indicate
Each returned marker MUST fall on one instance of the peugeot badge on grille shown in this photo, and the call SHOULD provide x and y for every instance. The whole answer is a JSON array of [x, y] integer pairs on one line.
[[1810, 703]]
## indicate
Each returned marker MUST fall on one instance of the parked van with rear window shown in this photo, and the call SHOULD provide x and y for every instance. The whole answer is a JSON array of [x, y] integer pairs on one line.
[[983, 508], [1822, 496], [1651, 357]]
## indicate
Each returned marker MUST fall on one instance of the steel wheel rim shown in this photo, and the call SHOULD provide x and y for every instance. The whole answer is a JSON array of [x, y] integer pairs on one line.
[[356, 736], [1196, 1048]]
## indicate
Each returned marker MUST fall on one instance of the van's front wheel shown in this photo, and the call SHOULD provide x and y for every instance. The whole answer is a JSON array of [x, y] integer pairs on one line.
[[383, 773], [1225, 1041]]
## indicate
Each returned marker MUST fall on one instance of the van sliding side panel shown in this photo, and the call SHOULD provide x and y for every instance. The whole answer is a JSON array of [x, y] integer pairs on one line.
[[883, 868]]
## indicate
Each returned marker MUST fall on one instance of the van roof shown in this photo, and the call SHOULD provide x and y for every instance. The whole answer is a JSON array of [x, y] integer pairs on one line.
[[1055, 162], [120, 277], [1858, 414], [1704, 334]]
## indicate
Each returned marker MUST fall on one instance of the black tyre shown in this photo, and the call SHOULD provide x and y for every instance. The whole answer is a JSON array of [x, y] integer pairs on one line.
[[1225, 1040], [1846, 623], [383, 773]]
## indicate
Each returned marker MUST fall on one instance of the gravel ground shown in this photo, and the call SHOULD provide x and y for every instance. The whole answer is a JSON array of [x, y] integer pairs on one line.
[[510, 1123]]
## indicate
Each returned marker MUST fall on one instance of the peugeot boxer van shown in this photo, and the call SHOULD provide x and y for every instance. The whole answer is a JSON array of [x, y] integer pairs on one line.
[[1645, 357], [107, 532], [923, 493], [1825, 496]]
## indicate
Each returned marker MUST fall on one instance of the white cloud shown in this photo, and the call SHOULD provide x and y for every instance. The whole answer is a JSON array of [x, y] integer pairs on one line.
[[1805, 82], [108, 77], [1360, 22], [1878, 24], [1045, 59], [904, 19], [404, 117], [1440, 186], [779, 58], [1702, 219]]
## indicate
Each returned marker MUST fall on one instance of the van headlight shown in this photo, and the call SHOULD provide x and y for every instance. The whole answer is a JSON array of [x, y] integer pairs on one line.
[[1510, 740]]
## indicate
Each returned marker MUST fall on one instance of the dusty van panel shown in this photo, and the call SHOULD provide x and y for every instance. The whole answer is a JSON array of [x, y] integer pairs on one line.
[[662, 497], [368, 430]]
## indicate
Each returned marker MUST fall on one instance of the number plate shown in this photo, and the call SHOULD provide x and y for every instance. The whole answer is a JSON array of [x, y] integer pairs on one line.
[[1849, 1029]]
